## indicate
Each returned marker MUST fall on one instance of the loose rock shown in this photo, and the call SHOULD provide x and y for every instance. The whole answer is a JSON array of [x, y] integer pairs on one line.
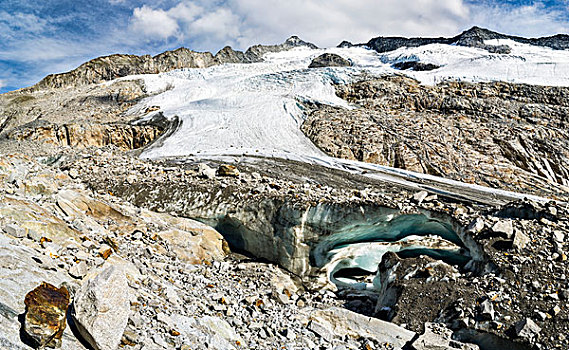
[[46, 309]]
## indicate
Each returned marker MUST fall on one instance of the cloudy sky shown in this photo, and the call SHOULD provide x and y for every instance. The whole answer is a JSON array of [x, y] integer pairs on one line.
[[50, 36]]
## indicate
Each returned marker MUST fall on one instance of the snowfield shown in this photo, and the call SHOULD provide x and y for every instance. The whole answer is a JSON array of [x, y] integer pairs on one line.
[[254, 109]]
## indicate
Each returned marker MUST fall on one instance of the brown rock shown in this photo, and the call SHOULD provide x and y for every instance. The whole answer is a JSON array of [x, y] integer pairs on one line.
[[105, 251], [46, 309], [227, 170]]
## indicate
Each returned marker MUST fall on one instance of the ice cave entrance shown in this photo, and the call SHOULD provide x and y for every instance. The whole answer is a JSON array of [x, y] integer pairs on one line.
[[351, 255]]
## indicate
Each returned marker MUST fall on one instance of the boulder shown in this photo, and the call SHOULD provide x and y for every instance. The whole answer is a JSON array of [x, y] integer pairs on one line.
[[329, 60], [438, 337], [227, 170], [101, 308], [503, 228], [46, 309], [341, 322], [527, 329]]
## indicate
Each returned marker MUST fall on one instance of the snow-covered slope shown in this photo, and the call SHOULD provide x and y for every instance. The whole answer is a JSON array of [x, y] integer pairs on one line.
[[525, 64], [254, 109]]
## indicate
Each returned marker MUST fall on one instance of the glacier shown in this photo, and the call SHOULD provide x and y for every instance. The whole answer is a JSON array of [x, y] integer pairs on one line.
[[234, 112]]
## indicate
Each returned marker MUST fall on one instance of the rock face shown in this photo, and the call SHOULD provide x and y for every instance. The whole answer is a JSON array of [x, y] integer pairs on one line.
[[124, 136], [116, 66], [101, 308], [329, 60], [460, 131], [46, 310]]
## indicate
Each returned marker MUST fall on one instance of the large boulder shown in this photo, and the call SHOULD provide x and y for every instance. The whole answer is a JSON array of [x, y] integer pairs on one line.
[[341, 322], [101, 308]]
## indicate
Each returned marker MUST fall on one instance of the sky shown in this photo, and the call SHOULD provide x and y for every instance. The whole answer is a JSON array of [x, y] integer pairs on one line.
[[38, 38]]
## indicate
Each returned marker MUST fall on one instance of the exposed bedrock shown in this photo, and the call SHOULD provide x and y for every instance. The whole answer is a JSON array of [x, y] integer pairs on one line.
[[501, 135], [124, 136]]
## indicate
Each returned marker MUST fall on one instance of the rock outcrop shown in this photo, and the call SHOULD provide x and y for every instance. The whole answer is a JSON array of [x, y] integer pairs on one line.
[[115, 66], [329, 60], [500, 135], [124, 136]]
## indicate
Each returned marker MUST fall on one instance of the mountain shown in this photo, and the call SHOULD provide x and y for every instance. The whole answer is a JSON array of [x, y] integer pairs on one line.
[[473, 37], [115, 66], [405, 193]]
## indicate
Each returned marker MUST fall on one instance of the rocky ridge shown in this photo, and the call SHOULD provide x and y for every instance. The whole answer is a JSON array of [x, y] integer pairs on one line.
[[115, 66], [473, 37]]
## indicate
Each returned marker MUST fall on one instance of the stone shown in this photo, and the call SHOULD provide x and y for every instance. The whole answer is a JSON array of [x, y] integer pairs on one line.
[[227, 170], [477, 225], [105, 251], [329, 60], [520, 240], [205, 171], [101, 308], [218, 331], [46, 310], [15, 230], [487, 310], [558, 236], [342, 322], [504, 228], [79, 270], [195, 244], [527, 329], [555, 310], [439, 337], [419, 197]]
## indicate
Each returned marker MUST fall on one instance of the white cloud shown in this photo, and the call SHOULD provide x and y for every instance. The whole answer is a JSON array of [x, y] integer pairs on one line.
[[222, 24], [207, 25], [325, 22], [153, 24], [2, 83]]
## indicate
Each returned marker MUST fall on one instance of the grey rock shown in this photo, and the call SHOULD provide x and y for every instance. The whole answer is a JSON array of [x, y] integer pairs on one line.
[[520, 240], [476, 225], [527, 329], [342, 322], [15, 230], [487, 309], [205, 171], [419, 197], [79, 270], [101, 308], [438, 337], [558, 236], [503, 227]]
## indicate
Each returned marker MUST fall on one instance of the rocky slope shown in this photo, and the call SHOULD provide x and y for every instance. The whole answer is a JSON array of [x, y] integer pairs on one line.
[[502, 135]]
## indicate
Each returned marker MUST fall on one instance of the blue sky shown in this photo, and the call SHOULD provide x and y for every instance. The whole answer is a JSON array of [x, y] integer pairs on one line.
[[50, 36]]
